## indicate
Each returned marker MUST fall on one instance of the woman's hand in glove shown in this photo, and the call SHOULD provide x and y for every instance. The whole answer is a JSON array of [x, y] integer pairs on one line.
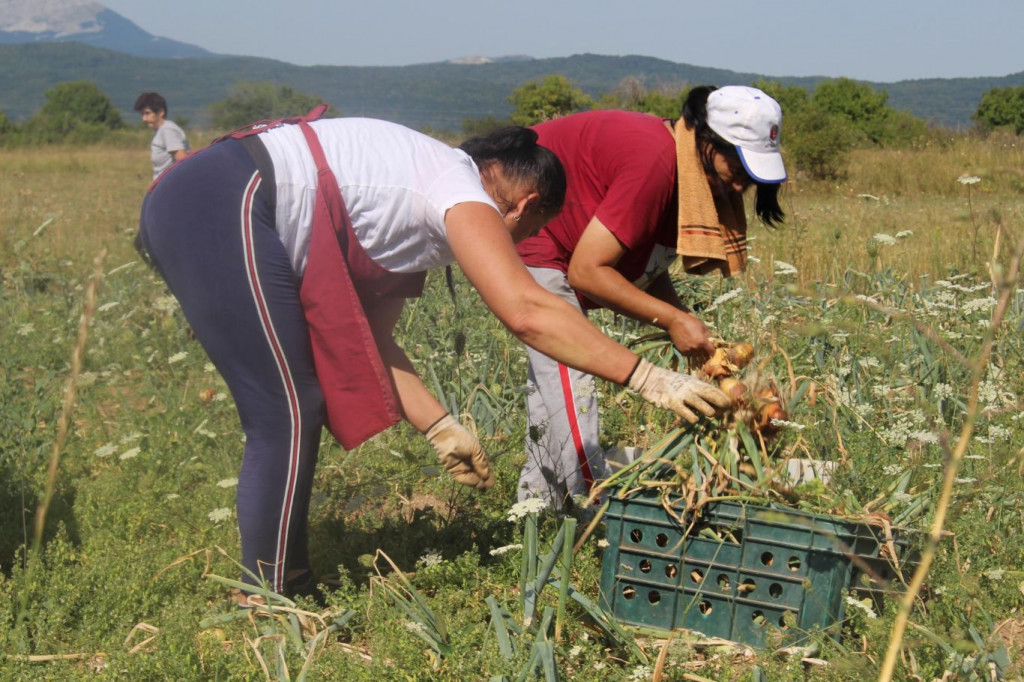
[[681, 393], [460, 453]]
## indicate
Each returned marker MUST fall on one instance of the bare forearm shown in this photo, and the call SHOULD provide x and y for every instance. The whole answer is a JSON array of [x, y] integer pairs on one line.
[[607, 286], [419, 407]]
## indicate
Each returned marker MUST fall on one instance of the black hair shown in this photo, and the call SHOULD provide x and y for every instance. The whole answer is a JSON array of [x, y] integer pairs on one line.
[[695, 114], [522, 160], [151, 100]]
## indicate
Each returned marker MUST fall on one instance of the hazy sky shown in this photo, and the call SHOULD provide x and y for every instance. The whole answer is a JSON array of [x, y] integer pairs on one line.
[[876, 40]]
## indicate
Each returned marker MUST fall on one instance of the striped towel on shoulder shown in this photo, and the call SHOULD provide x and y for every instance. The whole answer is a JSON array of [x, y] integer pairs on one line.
[[712, 227]]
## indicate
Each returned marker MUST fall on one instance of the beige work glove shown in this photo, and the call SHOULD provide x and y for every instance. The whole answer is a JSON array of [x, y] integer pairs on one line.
[[678, 392], [460, 453]]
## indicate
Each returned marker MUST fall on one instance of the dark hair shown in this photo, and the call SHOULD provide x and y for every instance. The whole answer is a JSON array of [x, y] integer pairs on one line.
[[695, 114], [151, 100], [515, 149]]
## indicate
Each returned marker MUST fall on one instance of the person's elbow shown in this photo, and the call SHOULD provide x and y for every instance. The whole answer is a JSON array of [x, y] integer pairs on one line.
[[525, 319]]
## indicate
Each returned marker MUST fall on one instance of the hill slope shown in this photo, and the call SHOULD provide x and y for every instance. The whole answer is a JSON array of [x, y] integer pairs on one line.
[[83, 21], [439, 95]]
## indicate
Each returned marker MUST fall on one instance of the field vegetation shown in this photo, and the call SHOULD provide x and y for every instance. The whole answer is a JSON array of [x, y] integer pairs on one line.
[[889, 308]]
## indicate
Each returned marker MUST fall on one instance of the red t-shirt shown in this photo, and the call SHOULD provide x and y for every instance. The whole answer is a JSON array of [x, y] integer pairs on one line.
[[621, 168]]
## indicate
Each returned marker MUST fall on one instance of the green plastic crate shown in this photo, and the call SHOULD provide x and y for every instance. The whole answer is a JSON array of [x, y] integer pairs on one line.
[[777, 569]]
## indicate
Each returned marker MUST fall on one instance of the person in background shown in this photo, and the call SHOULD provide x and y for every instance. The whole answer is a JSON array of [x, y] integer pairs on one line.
[[642, 190], [169, 142], [292, 246]]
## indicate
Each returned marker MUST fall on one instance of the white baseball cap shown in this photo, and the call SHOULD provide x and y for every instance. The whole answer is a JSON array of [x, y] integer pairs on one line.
[[751, 120]]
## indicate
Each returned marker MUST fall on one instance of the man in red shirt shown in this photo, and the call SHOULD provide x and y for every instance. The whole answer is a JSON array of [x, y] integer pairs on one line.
[[612, 245]]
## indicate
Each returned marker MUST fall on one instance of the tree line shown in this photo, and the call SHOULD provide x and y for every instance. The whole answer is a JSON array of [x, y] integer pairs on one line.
[[820, 128]]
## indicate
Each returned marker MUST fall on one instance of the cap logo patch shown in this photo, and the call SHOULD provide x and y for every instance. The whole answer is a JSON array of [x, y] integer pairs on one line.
[[773, 134]]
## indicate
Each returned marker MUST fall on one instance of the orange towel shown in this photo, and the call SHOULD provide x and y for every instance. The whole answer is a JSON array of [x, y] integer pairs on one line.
[[712, 226]]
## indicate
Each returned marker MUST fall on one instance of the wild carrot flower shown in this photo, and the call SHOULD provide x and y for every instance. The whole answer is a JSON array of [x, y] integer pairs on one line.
[[532, 505], [219, 514]]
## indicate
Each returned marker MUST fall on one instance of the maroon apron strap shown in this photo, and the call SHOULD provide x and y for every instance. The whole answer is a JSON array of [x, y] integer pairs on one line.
[[357, 388]]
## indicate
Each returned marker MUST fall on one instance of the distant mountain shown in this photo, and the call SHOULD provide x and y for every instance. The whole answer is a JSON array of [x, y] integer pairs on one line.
[[47, 21], [439, 96]]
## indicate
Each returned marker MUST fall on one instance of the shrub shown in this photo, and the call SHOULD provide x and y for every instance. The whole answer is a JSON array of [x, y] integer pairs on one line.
[[1001, 107], [550, 98], [76, 111], [254, 101]]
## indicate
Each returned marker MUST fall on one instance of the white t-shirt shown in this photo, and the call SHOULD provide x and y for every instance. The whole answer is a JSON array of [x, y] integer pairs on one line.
[[397, 185], [168, 138]]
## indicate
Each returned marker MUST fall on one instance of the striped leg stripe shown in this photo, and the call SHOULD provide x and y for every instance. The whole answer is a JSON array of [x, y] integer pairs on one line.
[[286, 378]]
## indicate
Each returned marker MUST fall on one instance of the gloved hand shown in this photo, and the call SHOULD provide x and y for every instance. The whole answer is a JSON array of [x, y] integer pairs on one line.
[[460, 453], [678, 392]]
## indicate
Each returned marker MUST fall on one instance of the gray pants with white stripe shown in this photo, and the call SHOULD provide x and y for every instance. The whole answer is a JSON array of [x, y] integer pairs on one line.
[[563, 458]]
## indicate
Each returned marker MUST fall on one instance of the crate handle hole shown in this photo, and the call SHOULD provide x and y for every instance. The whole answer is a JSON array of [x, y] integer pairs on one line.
[[767, 558], [697, 576], [758, 617], [645, 566], [794, 564], [653, 596], [661, 539], [775, 590], [723, 582], [783, 625], [629, 593], [636, 535], [705, 608], [748, 585], [671, 570]]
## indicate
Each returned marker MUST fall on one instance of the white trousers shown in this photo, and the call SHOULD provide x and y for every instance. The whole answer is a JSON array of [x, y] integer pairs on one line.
[[563, 458]]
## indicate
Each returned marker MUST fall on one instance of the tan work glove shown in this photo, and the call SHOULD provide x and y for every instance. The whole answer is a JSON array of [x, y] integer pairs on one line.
[[460, 453], [678, 392]]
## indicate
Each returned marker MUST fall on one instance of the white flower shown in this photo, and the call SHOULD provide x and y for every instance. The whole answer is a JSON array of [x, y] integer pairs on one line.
[[575, 651], [641, 672], [928, 437], [966, 480], [165, 304], [26, 329], [131, 437], [868, 611], [130, 453], [995, 574], [903, 234], [208, 368], [968, 179], [788, 425], [105, 450], [727, 296], [220, 514], [892, 469], [782, 268], [603, 543], [107, 306], [883, 238], [943, 391], [431, 557], [177, 357], [172, 496], [227, 483], [220, 397], [500, 551], [531, 505], [978, 304]]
